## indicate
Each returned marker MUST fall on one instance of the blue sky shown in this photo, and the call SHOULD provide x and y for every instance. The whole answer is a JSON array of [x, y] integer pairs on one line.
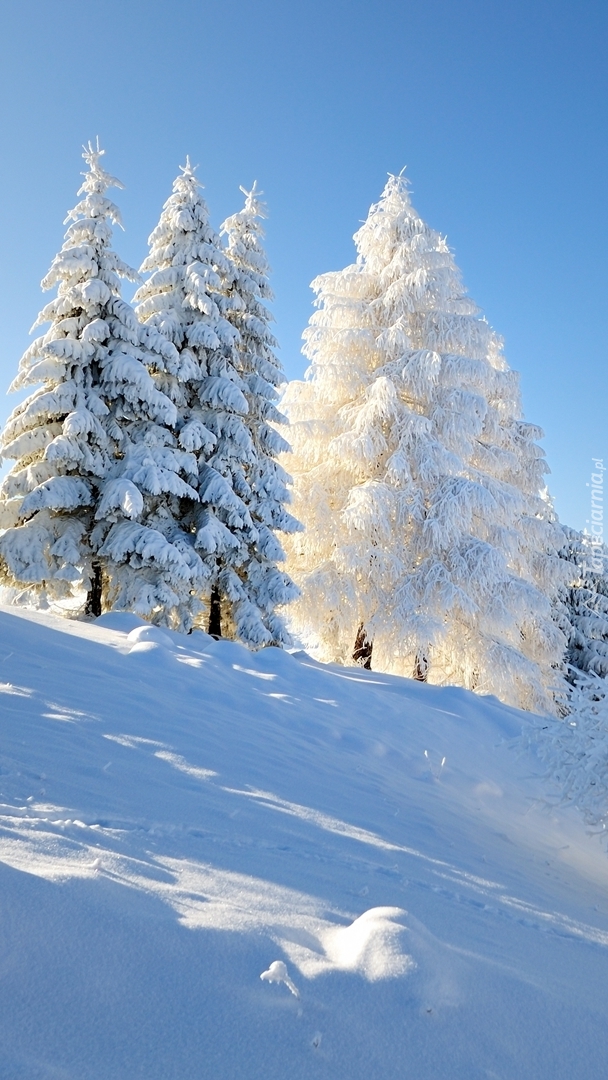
[[498, 110]]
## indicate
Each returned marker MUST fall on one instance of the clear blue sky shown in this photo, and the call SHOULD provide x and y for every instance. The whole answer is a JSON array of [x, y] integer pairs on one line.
[[498, 109]]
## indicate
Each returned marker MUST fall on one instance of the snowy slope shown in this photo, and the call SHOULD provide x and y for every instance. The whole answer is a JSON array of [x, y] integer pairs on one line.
[[179, 814]]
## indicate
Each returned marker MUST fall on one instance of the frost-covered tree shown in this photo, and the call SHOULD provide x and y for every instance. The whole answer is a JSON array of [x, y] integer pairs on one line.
[[582, 605], [88, 504], [574, 748], [186, 299], [427, 537], [262, 482]]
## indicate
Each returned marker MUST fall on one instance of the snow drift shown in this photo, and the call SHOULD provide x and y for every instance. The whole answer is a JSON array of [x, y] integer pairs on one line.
[[234, 866]]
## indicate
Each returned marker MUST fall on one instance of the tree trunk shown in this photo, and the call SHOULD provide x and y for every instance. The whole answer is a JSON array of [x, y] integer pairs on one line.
[[421, 668], [362, 653], [215, 615], [92, 606]]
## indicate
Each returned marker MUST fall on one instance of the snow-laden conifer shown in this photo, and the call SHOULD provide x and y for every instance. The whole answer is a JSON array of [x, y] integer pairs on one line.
[[574, 747], [88, 503], [262, 482], [427, 537], [191, 298], [582, 606]]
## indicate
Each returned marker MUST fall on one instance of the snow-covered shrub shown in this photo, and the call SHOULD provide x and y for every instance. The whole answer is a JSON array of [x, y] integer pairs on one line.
[[417, 478]]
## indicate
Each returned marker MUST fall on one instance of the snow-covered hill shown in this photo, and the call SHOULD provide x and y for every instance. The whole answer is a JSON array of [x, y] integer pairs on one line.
[[180, 817]]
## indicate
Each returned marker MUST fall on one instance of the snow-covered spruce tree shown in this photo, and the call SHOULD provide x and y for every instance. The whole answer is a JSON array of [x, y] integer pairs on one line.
[[88, 504], [262, 482], [582, 606], [186, 300], [419, 483], [575, 751]]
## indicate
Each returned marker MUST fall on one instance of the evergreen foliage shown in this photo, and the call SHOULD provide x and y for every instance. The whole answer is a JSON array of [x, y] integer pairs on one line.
[[88, 503], [428, 541], [582, 606], [192, 298], [263, 482]]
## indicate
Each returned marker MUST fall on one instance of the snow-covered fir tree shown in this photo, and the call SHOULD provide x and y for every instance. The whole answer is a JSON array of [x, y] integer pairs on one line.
[[428, 541], [190, 298], [575, 749], [582, 605], [88, 505], [262, 483]]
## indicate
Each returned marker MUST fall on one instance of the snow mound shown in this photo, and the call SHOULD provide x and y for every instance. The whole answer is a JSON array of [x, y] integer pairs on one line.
[[370, 946]]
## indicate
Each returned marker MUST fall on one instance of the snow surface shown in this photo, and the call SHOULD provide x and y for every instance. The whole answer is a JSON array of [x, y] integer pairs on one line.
[[222, 865]]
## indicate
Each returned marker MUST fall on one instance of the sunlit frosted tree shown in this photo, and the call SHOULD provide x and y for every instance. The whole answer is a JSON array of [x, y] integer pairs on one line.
[[429, 549]]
